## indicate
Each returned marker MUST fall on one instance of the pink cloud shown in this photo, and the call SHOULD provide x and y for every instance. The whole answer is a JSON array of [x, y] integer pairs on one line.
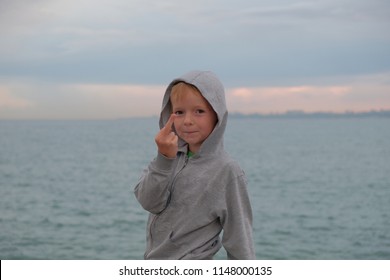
[[8, 101], [335, 98]]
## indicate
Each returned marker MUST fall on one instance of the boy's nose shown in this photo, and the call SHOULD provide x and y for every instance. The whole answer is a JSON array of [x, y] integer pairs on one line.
[[187, 119]]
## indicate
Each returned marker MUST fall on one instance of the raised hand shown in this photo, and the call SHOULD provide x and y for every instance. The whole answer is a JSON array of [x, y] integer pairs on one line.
[[167, 140]]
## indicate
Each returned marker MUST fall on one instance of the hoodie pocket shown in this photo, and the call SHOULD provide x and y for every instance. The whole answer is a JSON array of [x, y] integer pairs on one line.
[[206, 251]]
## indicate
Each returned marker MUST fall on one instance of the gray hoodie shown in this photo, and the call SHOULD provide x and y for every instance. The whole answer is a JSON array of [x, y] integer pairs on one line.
[[191, 200]]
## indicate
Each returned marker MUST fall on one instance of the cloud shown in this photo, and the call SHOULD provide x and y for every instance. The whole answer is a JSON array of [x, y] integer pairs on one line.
[[361, 94], [9, 102], [120, 101], [78, 101], [282, 99], [245, 42]]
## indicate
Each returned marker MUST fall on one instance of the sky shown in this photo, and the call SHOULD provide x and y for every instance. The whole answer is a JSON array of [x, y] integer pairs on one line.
[[109, 59]]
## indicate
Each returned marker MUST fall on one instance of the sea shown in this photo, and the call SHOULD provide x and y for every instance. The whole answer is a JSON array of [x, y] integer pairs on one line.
[[319, 187]]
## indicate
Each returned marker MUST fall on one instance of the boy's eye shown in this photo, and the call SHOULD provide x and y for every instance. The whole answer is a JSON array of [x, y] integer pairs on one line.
[[200, 111], [178, 113]]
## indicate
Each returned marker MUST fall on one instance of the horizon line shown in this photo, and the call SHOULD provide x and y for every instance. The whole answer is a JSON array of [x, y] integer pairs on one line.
[[237, 114]]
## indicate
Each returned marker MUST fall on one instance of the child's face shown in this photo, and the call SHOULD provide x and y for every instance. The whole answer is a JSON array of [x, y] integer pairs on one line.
[[195, 118]]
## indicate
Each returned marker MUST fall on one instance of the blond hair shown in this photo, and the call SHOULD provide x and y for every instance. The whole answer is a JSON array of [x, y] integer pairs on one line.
[[181, 87]]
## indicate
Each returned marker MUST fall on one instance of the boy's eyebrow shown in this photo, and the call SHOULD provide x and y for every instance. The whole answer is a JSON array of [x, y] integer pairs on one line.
[[193, 107]]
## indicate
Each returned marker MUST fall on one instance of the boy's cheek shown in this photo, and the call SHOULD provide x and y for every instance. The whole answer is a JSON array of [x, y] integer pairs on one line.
[[176, 123], [176, 127]]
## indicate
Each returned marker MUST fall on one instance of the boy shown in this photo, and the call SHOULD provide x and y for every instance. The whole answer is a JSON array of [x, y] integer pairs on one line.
[[193, 189]]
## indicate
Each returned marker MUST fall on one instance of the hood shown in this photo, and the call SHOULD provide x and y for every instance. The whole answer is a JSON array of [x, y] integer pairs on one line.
[[212, 90]]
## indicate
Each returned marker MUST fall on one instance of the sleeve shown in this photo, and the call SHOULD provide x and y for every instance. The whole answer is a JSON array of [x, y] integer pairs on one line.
[[152, 190], [237, 221]]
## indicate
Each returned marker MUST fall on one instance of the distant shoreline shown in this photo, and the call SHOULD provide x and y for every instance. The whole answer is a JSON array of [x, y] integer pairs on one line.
[[313, 115]]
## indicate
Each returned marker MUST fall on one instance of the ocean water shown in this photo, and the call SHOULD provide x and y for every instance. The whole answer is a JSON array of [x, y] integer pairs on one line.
[[320, 188]]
